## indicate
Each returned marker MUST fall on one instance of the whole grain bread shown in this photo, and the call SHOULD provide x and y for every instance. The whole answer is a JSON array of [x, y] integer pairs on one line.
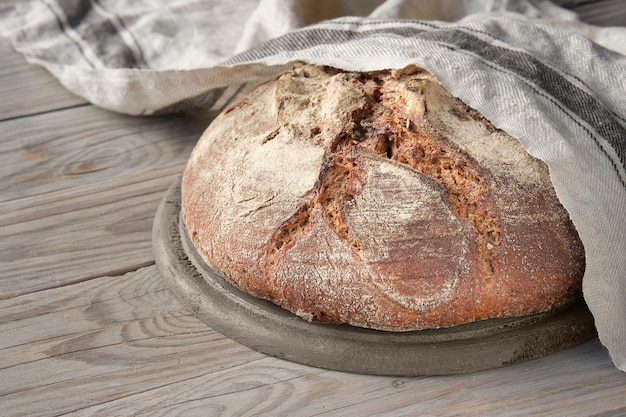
[[378, 200]]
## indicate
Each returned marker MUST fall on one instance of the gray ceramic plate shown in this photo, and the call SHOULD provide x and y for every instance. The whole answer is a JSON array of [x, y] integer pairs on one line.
[[270, 329]]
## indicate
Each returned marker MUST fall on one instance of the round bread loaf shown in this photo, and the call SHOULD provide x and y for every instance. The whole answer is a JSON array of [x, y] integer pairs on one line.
[[378, 200]]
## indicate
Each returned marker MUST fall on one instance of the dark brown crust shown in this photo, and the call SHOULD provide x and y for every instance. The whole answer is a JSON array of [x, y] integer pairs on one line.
[[469, 253]]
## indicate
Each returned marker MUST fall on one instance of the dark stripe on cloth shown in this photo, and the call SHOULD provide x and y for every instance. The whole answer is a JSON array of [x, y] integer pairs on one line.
[[577, 101], [99, 33], [136, 47], [72, 40], [566, 95]]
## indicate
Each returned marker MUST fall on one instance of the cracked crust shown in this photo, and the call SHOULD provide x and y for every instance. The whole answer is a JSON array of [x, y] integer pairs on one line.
[[378, 200]]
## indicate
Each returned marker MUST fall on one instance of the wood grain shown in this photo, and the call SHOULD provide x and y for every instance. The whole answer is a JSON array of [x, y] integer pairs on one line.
[[271, 387], [123, 345], [68, 148], [92, 342], [602, 13], [82, 196], [78, 234]]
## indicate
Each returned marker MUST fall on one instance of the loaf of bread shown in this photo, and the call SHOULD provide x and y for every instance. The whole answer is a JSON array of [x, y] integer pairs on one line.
[[379, 200]]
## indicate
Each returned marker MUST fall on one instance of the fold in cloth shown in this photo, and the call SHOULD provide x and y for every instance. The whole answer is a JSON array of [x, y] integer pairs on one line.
[[530, 67]]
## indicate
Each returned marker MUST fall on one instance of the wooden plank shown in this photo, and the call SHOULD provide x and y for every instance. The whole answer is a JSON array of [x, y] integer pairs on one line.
[[550, 386], [78, 234], [82, 196], [123, 345], [64, 149], [90, 343], [32, 89], [602, 13]]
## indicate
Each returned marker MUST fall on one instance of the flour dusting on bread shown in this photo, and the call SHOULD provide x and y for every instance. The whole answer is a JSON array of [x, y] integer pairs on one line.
[[379, 200]]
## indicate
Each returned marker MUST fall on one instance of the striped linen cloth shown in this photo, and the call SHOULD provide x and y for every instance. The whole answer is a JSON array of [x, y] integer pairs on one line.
[[529, 66]]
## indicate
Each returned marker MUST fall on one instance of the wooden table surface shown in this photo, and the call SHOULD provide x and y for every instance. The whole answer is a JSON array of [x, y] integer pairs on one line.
[[87, 326]]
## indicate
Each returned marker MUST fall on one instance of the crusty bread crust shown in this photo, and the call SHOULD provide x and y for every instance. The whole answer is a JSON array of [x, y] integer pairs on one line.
[[378, 200]]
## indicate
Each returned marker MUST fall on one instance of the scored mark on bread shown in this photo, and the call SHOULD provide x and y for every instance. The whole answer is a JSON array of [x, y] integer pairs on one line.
[[271, 136], [381, 126]]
